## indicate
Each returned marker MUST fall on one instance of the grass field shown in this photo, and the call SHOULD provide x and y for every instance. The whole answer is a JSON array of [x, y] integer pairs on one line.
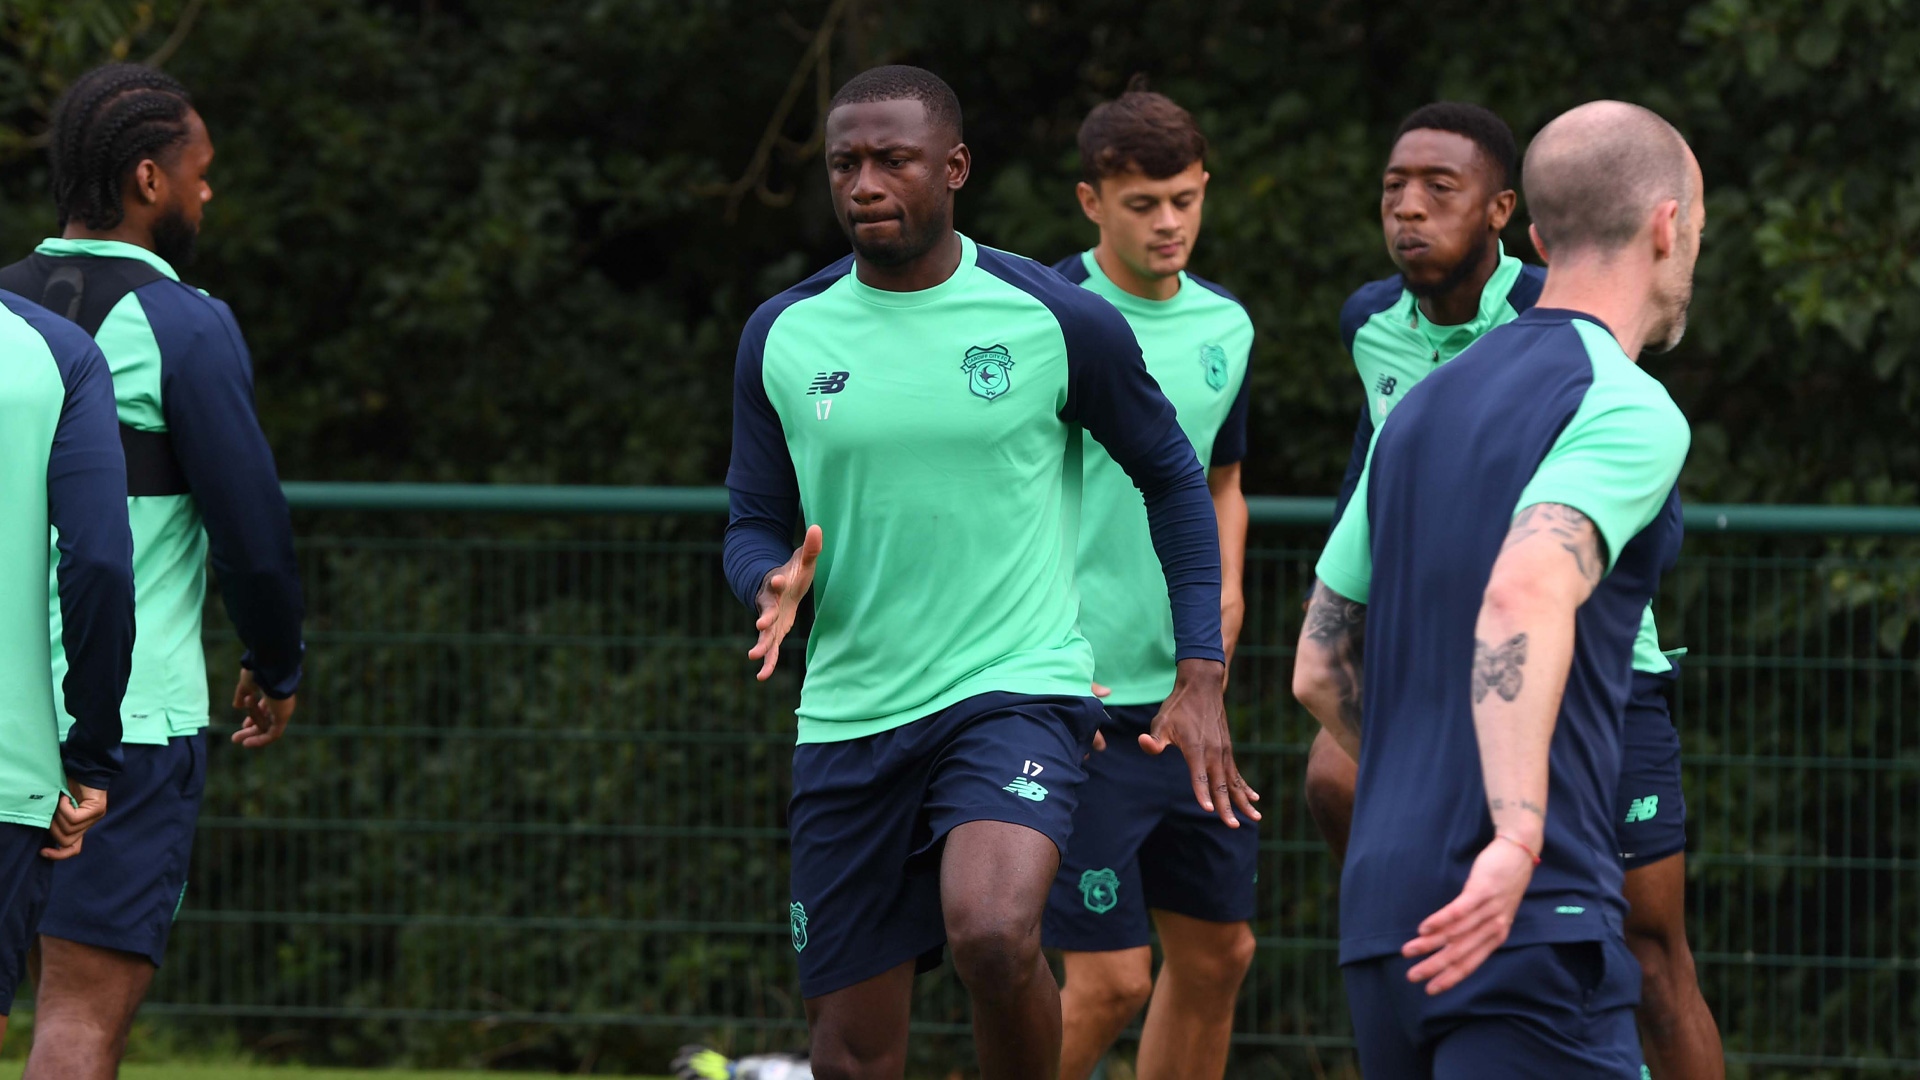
[[10, 1071]]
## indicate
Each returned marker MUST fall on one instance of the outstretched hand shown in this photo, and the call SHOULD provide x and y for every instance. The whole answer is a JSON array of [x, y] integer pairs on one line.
[[1194, 718], [1458, 938], [779, 601]]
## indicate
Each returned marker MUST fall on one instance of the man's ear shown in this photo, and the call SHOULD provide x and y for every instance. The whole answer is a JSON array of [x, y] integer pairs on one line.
[[147, 181], [1089, 201], [1539, 245], [1666, 228], [1501, 210], [959, 166]]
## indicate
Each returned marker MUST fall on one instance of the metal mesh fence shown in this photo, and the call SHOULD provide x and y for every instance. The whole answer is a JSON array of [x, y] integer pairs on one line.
[[534, 785]]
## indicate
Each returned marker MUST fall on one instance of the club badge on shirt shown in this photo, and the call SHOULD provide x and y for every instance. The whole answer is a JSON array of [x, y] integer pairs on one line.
[[988, 370], [1213, 359]]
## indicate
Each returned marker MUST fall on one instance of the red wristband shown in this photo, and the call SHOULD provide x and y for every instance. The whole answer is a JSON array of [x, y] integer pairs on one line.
[[1518, 844]]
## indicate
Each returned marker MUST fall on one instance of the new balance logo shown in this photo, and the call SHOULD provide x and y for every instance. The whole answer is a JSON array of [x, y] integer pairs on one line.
[[1386, 384], [1643, 809], [829, 382], [1026, 789]]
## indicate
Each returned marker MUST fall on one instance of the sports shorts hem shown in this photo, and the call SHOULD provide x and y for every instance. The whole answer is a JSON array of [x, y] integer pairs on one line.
[[1069, 941], [1642, 859], [821, 985], [966, 817], [1222, 914]]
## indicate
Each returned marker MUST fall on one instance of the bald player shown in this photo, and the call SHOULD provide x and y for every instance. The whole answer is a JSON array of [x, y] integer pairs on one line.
[[1531, 483]]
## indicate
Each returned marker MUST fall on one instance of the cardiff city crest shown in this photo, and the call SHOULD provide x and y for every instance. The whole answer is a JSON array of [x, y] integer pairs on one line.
[[1100, 890], [797, 917], [1213, 359], [988, 370]]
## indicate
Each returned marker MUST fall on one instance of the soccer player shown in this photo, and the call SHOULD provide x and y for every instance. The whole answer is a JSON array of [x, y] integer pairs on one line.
[[1446, 194], [60, 469], [1141, 847], [1526, 507], [130, 157], [922, 400]]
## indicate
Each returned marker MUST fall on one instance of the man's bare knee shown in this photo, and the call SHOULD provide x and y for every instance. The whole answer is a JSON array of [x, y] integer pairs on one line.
[[994, 952], [836, 1059], [1217, 962], [1114, 996]]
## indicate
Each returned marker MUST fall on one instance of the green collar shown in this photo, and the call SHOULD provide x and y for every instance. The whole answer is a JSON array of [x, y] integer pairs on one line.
[[104, 249], [1099, 282], [969, 254], [1449, 340]]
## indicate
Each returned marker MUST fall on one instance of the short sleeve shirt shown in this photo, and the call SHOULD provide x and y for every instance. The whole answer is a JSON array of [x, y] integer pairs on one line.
[[1545, 409]]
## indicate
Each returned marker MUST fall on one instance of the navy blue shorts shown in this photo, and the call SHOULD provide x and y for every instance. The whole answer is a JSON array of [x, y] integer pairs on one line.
[[1141, 842], [1650, 820], [26, 879], [1562, 1010], [869, 816], [125, 887]]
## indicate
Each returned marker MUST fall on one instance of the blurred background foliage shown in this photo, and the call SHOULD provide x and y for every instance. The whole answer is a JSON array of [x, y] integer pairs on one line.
[[507, 240]]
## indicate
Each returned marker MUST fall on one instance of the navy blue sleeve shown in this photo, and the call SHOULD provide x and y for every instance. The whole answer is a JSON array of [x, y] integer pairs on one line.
[[1356, 462], [87, 505], [206, 394], [1230, 444], [1111, 395], [1367, 301], [1073, 268], [763, 499]]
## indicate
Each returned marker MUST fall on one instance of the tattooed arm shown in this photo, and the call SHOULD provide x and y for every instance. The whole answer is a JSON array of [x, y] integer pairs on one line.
[[1522, 649], [1326, 667]]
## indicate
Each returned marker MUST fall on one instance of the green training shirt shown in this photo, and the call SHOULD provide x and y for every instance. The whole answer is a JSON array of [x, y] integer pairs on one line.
[[935, 437], [1196, 344], [62, 474]]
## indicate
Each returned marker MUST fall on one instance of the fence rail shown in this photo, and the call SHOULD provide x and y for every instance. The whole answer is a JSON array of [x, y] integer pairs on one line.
[[534, 794]]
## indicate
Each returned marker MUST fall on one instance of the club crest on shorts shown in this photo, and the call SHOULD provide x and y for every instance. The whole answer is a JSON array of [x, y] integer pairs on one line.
[[1213, 360], [797, 919], [988, 371], [1099, 890]]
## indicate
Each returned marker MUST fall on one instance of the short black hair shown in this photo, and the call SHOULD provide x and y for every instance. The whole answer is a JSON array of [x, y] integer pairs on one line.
[[901, 82], [1487, 130], [107, 122], [1141, 130]]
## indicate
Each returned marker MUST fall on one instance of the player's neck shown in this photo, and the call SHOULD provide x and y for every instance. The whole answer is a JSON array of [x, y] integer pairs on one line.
[[1131, 282], [1461, 304], [924, 271], [1608, 290], [126, 232]]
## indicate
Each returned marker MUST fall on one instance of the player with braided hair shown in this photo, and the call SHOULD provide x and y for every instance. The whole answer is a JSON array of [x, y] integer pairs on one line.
[[130, 157]]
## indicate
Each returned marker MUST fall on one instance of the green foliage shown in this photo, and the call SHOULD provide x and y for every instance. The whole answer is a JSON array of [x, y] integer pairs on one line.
[[499, 240]]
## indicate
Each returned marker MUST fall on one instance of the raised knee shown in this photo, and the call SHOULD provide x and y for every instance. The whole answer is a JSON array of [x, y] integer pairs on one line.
[[835, 1060], [1329, 787], [993, 953], [1222, 964], [1666, 966]]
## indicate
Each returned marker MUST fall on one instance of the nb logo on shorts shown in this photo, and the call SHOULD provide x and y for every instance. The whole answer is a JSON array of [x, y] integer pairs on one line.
[[797, 918], [1026, 789], [1643, 809], [1099, 890]]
